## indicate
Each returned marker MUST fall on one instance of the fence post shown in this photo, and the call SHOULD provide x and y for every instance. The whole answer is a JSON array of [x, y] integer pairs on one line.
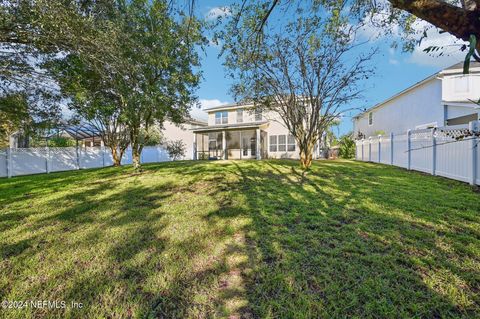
[[194, 155], [379, 147], [391, 148], [472, 127], [434, 151], [47, 159], [9, 163], [363, 142], [77, 152], [103, 155], [370, 149], [409, 144]]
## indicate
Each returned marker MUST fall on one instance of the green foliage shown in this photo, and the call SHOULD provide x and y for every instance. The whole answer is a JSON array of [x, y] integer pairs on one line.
[[14, 116], [153, 137], [379, 132], [61, 141], [347, 146], [307, 69]]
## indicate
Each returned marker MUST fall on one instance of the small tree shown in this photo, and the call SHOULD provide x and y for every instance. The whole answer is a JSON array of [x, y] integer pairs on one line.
[[307, 73], [176, 149], [347, 146]]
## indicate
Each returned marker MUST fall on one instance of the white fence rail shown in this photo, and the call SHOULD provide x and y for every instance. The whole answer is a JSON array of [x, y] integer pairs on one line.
[[433, 151], [25, 161]]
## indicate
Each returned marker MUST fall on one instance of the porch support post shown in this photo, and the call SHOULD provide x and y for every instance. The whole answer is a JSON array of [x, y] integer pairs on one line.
[[259, 156], [194, 156], [224, 144]]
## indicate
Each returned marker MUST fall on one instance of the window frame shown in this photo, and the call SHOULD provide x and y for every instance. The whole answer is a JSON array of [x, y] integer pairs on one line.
[[239, 115], [282, 147], [258, 115], [370, 118], [291, 145], [221, 117], [274, 145]]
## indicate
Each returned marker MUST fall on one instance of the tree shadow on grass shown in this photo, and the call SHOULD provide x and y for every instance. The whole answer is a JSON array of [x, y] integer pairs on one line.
[[343, 240], [330, 245]]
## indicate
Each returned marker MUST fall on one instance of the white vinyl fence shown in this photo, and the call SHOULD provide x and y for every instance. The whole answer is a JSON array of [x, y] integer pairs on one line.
[[435, 151], [24, 161]]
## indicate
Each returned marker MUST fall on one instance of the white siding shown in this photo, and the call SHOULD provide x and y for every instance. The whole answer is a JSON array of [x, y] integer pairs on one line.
[[456, 88], [418, 106]]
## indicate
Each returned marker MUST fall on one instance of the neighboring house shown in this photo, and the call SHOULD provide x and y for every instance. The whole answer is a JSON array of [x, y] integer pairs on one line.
[[443, 99], [183, 132], [240, 131]]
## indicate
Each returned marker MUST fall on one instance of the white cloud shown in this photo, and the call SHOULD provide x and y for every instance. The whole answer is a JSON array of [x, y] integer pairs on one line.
[[451, 53], [199, 113], [216, 12]]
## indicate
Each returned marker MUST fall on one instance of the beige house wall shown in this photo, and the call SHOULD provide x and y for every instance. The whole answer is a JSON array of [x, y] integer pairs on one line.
[[173, 132]]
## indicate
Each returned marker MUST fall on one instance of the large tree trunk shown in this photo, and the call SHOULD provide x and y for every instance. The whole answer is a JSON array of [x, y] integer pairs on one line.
[[136, 152], [460, 22], [137, 148], [117, 155], [306, 154]]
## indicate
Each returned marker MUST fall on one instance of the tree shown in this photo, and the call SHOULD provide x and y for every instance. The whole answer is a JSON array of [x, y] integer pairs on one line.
[[133, 69], [14, 116], [307, 72], [459, 18], [162, 76], [176, 149], [347, 146]]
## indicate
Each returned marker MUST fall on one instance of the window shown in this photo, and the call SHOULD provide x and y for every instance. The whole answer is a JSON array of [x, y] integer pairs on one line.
[[282, 143], [239, 115], [273, 143], [221, 117], [258, 115], [291, 143], [370, 118]]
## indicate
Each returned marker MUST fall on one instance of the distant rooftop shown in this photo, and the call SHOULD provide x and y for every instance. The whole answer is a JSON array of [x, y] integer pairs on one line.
[[456, 66]]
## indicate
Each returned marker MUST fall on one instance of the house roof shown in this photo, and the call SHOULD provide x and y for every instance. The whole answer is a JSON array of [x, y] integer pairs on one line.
[[459, 65], [456, 68], [227, 106]]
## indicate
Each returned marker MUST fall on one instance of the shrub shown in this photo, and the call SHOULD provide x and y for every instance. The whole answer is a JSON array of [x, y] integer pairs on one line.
[[347, 146], [176, 149]]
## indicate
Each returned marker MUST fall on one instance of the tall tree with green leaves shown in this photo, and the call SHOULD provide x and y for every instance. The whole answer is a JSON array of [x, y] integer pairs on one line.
[[307, 71], [164, 66]]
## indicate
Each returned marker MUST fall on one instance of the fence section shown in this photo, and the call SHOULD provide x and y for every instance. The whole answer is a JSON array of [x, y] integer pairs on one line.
[[450, 152], [25, 161]]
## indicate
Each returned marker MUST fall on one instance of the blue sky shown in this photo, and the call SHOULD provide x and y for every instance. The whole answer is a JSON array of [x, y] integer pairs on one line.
[[395, 70]]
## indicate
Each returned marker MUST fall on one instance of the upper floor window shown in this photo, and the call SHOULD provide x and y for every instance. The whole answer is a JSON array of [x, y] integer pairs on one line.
[[370, 118], [258, 115], [221, 117], [239, 115]]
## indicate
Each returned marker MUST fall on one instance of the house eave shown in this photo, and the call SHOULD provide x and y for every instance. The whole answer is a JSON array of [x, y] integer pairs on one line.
[[223, 127]]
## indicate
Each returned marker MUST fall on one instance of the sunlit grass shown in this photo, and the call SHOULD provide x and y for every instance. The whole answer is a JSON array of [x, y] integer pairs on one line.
[[241, 239]]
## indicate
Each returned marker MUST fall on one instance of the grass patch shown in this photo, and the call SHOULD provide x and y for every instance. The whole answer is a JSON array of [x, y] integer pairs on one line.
[[241, 239]]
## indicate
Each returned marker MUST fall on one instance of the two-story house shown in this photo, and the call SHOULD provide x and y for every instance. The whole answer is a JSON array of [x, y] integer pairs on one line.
[[240, 131], [443, 99]]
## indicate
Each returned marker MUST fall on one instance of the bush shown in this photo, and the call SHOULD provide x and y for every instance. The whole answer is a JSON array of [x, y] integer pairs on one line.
[[347, 146], [176, 149]]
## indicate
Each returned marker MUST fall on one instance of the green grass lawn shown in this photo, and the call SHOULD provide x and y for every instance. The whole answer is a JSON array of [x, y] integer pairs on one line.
[[252, 239]]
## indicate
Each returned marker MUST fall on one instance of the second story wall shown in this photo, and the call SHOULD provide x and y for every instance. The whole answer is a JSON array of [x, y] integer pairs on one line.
[[233, 116], [419, 106]]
